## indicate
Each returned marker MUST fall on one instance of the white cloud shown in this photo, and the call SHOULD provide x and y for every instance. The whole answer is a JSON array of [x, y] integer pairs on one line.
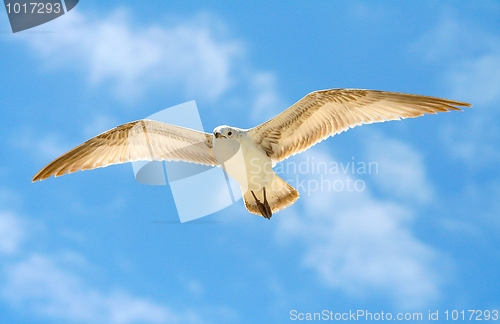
[[46, 146], [401, 168], [195, 57], [471, 57], [364, 246], [54, 286], [40, 284], [134, 59], [99, 124], [266, 101], [476, 141], [439, 43], [371, 11], [9, 199], [471, 60], [477, 79], [12, 233]]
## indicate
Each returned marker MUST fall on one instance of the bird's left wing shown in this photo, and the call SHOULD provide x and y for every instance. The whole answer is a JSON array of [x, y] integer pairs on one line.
[[324, 113], [145, 140]]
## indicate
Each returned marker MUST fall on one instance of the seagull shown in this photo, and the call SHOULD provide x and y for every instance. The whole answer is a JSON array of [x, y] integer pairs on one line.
[[248, 155]]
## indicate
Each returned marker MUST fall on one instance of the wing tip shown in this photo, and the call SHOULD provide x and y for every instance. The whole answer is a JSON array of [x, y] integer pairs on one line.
[[40, 177], [457, 106], [37, 177]]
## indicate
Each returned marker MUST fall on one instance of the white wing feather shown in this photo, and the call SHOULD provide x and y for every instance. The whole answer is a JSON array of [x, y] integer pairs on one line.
[[324, 113], [145, 140]]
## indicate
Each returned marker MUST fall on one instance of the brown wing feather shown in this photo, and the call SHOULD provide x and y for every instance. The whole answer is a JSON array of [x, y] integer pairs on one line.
[[324, 113], [145, 140]]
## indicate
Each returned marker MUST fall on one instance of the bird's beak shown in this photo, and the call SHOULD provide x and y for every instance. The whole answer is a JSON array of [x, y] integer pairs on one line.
[[216, 134]]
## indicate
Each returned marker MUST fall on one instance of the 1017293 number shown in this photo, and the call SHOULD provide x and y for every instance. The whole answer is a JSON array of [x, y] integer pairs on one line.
[[472, 315], [33, 7]]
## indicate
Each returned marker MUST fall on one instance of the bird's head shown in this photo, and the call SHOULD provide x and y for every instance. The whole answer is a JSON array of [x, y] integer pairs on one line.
[[227, 132]]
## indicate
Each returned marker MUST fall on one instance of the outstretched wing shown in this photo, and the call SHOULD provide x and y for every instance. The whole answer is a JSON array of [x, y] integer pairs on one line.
[[145, 140], [325, 113]]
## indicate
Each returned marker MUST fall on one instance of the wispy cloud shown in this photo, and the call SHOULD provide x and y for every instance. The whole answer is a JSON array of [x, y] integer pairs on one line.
[[471, 60], [470, 55], [11, 233], [477, 79], [401, 171], [265, 96], [41, 284], [44, 146], [52, 287], [98, 125], [364, 245], [191, 56], [56, 286], [195, 57]]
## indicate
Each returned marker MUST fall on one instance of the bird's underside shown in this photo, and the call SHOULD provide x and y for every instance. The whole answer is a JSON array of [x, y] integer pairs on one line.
[[315, 117]]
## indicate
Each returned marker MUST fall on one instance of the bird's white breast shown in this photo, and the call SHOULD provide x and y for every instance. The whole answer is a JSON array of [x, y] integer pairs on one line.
[[244, 161]]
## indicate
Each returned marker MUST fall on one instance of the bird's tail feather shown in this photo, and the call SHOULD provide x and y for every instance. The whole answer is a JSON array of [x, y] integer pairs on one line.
[[279, 195]]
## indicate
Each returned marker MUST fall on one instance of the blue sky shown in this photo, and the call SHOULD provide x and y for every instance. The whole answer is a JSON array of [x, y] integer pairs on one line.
[[98, 247]]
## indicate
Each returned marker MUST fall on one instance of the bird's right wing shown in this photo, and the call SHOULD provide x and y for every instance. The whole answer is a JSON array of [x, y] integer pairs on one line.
[[142, 140]]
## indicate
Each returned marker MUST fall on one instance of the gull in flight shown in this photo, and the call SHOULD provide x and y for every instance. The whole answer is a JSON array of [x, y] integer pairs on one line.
[[248, 155]]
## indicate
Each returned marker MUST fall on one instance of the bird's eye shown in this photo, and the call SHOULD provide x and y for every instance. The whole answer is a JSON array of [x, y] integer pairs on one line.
[[229, 133]]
